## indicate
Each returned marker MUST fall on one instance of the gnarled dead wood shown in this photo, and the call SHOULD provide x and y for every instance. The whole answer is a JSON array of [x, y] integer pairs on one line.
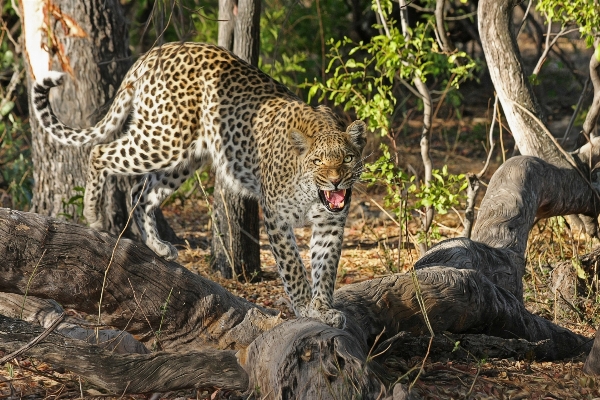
[[142, 292], [133, 373], [523, 115]]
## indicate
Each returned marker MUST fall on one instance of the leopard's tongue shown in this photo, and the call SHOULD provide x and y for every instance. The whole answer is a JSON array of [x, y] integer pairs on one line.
[[335, 198]]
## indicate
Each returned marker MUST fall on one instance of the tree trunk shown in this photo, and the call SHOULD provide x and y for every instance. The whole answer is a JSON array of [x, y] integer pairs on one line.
[[98, 58], [505, 66], [95, 52], [235, 245]]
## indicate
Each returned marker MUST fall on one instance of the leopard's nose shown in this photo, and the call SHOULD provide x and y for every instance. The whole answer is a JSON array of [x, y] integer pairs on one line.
[[335, 181]]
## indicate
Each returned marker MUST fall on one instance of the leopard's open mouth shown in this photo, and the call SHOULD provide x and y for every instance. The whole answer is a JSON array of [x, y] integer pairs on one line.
[[335, 200]]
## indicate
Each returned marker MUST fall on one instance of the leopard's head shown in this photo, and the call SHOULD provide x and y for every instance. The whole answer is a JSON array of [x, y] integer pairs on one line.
[[332, 160]]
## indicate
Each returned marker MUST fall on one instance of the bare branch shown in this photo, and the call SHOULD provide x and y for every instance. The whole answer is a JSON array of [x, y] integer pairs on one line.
[[592, 117]]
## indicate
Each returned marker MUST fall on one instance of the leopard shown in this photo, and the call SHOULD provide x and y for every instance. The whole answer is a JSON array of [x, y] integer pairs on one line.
[[182, 106]]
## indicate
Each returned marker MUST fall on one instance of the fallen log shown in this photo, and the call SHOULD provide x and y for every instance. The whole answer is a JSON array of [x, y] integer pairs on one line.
[[132, 373], [466, 286]]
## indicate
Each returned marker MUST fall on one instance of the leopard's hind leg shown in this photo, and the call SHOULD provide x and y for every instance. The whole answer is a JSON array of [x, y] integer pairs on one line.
[[124, 157], [99, 167], [147, 195]]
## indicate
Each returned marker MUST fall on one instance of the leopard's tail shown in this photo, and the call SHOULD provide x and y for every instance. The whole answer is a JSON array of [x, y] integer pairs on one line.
[[112, 122]]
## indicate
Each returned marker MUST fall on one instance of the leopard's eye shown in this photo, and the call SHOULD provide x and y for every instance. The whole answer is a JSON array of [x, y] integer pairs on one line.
[[316, 161], [348, 159]]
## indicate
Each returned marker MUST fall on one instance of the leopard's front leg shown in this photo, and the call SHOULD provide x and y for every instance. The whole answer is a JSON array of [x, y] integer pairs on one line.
[[325, 249], [289, 263]]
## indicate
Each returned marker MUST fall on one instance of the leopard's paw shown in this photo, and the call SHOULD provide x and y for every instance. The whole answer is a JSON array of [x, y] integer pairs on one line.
[[163, 249], [331, 317], [302, 311]]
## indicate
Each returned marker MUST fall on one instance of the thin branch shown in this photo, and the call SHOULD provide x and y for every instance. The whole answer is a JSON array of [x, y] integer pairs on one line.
[[524, 19], [113, 252], [491, 139], [461, 17], [12, 85], [548, 46], [29, 283], [382, 17], [214, 221], [577, 109], [445, 43]]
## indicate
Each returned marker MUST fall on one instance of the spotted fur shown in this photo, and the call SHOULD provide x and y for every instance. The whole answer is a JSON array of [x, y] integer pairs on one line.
[[182, 105]]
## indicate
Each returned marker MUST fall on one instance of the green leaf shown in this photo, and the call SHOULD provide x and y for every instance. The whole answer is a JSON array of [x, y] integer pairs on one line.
[[6, 108]]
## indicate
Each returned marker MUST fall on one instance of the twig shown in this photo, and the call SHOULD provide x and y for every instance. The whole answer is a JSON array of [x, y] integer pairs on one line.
[[143, 313], [164, 311], [577, 108], [112, 256], [422, 364], [474, 380], [322, 36], [421, 301], [214, 221], [491, 139], [230, 258], [384, 211], [12, 85], [375, 343], [524, 19], [460, 17], [29, 283], [548, 46], [35, 341], [500, 135]]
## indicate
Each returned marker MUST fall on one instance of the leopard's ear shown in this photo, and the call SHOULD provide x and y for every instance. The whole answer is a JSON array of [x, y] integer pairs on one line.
[[300, 141], [358, 133]]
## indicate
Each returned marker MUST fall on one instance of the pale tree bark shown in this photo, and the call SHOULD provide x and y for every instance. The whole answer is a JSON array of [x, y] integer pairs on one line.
[[591, 120], [521, 109], [235, 245], [505, 66]]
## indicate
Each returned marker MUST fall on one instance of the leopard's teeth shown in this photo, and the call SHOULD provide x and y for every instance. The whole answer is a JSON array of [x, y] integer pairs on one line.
[[331, 206], [342, 204]]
